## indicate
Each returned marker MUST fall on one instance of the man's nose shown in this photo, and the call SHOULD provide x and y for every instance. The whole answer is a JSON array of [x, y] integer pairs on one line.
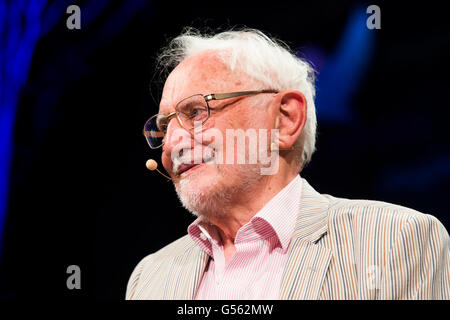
[[176, 137]]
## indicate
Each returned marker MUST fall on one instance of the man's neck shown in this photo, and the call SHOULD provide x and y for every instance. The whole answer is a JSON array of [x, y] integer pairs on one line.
[[244, 208]]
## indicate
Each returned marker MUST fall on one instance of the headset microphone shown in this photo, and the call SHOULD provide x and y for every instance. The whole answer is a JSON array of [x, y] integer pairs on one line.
[[152, 165]]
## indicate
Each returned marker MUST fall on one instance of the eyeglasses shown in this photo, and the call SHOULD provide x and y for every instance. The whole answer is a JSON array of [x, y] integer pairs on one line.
[[190, 112]]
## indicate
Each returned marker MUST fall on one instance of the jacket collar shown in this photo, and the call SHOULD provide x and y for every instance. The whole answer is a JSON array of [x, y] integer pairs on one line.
[[312, 219], [308, 259]]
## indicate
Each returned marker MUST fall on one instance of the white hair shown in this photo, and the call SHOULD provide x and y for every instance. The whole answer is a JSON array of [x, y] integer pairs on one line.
[[267, 60]]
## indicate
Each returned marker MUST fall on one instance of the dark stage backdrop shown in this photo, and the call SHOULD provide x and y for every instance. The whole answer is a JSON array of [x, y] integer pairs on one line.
[[79, 192]]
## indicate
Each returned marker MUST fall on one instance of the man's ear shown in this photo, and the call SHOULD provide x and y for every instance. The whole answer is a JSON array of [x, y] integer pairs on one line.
[[292, 117]]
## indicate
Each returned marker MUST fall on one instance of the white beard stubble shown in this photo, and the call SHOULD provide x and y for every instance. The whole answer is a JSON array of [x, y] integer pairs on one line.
[[214, 201]]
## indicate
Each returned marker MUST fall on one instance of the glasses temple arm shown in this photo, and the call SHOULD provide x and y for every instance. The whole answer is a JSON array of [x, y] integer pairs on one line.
[[221, 96]]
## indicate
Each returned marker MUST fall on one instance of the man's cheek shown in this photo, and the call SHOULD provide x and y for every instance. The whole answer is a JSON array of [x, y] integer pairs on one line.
[[167, 161], [213, 140]]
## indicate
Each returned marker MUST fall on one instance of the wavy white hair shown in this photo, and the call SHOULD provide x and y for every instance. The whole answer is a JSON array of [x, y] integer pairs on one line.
[[267, 60]]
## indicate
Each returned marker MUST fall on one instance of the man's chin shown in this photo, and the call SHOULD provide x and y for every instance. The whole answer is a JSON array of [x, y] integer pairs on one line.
[[208, 191], [198, 200], [201, 192]]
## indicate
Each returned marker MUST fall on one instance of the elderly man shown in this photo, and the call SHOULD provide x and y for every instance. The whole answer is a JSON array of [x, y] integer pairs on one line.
[[269, 235]]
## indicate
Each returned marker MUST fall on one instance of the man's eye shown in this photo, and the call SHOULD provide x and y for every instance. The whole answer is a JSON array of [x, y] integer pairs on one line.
[[194, 112]]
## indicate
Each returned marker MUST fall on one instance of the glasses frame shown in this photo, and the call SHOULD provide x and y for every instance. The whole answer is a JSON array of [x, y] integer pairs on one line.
[[207, 97]]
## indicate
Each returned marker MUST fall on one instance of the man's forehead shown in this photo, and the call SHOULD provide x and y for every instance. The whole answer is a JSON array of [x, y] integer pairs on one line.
[[200, 74]]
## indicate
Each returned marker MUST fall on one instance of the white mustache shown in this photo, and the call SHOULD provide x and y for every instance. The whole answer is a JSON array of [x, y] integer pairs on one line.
[[207, 155]]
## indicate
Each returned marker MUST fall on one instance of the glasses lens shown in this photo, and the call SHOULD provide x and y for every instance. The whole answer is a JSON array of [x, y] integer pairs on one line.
[[192, 111], [155, 129]]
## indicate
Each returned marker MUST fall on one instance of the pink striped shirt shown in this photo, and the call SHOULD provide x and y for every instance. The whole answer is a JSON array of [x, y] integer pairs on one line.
[[255, 270]]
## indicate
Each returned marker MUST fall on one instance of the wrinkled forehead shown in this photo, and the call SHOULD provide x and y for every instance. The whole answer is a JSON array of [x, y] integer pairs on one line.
[[201, 74]]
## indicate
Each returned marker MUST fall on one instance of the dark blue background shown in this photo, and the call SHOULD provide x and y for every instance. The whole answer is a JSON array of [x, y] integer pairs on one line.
[[79, 192]]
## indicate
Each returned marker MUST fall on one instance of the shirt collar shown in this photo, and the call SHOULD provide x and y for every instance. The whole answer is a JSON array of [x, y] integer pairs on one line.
[[280, 213], [282, 210], [203, 234]]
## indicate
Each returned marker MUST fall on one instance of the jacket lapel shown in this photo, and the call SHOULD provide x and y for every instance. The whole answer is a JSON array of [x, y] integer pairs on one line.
[[308, 259], [186, 274]]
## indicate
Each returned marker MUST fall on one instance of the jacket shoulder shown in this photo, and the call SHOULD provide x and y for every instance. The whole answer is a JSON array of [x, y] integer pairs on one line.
[[375, 224], [400, 251], [156, 261], [380, 211]]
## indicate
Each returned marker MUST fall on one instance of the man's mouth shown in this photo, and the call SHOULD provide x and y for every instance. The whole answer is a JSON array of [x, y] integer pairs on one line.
[[185, 167]]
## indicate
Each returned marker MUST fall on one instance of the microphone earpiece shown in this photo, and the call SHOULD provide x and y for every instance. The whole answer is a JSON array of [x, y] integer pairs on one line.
[[152, 165]]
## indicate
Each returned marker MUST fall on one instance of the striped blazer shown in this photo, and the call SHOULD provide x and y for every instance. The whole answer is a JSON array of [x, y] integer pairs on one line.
[[340, 249]]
